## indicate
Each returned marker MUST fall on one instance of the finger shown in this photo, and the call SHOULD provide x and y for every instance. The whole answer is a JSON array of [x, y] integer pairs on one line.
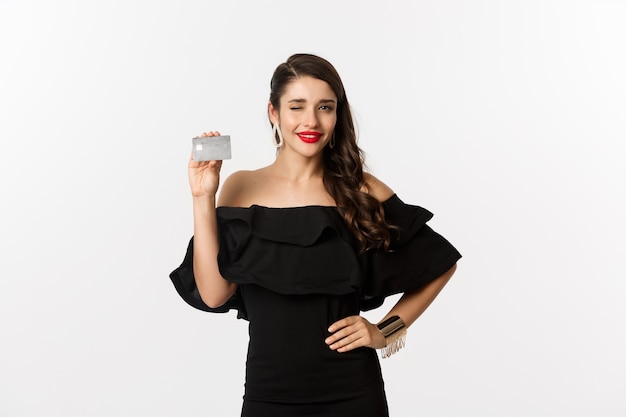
[[351, 346], [215, 164], [353, 341], [330, 340], [351, 338], [343, 332], [362, 338], [340, 324], [347, 334]]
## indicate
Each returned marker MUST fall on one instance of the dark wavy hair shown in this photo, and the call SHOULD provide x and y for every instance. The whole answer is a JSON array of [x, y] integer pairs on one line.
[[343, 164]]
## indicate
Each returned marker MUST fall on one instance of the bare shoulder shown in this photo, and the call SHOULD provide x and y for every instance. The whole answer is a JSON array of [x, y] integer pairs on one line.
[[236, 187], [376, 188]]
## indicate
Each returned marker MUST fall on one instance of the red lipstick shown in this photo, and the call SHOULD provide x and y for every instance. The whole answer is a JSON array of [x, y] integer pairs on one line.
[[309, 137]]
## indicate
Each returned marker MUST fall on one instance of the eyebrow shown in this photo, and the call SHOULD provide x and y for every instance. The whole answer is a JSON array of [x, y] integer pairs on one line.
[[301, 100]]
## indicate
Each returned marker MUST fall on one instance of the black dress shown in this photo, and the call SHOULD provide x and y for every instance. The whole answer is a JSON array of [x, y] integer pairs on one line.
[[299, 270]]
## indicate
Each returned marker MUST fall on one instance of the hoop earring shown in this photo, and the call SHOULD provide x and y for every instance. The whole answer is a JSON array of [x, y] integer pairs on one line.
[[276, 130], [331, 142]]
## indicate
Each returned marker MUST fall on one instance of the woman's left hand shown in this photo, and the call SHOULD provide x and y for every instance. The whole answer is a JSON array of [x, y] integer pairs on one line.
[[353, 332]]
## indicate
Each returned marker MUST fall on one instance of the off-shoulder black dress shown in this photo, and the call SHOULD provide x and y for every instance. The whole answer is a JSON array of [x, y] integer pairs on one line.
[[298, 270]]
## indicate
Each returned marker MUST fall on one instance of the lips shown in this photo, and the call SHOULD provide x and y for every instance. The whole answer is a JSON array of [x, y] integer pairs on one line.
[[309, 137]]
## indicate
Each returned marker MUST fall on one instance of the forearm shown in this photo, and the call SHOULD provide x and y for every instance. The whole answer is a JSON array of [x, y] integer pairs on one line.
[[412, 304], [213, 288]]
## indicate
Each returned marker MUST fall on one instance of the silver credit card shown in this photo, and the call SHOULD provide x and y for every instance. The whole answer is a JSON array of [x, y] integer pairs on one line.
[[211, 148]]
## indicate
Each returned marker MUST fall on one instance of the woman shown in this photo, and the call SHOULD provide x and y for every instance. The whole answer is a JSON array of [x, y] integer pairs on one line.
[[301, 246]]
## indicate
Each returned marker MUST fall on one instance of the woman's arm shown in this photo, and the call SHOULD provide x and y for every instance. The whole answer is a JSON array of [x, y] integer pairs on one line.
[[412, 304], [204, 178], [355, 331]]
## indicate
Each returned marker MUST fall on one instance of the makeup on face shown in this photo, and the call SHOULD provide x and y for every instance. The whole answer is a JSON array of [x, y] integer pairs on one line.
[[309, 136], [308, 112]]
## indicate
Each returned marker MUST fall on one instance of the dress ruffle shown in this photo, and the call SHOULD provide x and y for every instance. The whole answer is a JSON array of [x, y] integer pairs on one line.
[[418, 255], [300, 250], [185, 283], [309, 250]]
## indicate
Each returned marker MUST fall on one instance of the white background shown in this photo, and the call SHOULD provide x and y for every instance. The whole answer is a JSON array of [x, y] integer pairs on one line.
[[504, 118]]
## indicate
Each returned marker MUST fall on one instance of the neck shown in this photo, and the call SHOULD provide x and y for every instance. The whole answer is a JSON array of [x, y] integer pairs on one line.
[[297, 168]]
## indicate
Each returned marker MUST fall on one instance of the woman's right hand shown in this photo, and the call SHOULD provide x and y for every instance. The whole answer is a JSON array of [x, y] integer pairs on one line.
[[204, 177]]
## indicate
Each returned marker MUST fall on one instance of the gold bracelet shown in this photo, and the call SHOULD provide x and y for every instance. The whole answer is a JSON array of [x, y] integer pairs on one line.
[[394, 331]]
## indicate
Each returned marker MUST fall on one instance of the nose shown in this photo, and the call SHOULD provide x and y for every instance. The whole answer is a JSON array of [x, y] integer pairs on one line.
[[310, 118]]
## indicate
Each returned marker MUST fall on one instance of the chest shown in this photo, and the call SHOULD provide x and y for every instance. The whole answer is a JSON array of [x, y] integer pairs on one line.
[[285, 194]]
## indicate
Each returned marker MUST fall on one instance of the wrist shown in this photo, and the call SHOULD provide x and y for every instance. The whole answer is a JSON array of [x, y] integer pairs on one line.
[[394, 331], [204, 203]]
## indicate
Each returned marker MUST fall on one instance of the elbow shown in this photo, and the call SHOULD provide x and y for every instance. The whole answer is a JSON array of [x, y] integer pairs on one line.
[[213, 301], [217, 299]]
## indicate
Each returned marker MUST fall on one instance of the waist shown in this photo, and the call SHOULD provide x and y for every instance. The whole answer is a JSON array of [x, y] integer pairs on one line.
[[288, 360]]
